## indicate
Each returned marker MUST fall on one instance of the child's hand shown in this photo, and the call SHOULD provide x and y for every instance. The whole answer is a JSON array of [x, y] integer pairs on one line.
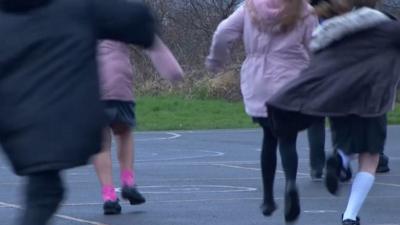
[[213, 66]]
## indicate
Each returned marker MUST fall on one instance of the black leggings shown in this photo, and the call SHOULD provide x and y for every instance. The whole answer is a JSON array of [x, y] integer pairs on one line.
[[316, 140], [44, 194], [287, 148]]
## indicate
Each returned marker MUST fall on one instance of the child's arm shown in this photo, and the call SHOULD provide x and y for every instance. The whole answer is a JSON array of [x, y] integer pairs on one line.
[[164, 61], [227, 32], [123, 20]]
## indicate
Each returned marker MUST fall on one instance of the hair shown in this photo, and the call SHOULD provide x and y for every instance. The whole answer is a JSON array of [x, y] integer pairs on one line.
[[291, 14], [331, 8]]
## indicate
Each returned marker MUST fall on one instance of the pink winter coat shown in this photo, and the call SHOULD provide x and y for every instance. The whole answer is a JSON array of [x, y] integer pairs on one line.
[[272, 59], [116, 69]]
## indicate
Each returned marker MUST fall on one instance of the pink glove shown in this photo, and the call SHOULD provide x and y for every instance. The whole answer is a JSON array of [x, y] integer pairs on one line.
[[164, 61]]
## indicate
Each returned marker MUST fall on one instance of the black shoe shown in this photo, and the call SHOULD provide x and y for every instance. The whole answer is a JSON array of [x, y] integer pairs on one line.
[[132, 195], [268, 208], [335, 172], [332, 172], [316, 175], [383, 166], [351, 222], [292, 203], [343, 173], [112, 207]]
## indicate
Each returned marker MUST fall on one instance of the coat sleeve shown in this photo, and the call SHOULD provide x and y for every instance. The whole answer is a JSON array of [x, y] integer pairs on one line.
[[228, 31], [394, 33], [164, 61], [123, 20]]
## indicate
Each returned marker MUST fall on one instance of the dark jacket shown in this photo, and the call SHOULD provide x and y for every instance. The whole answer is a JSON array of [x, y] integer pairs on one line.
[[354, 71], [50, 113]]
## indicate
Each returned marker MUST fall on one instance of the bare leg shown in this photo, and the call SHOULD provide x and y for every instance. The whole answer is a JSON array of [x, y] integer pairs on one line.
[[368, 162], [103, 165], [126, 150], [126, 158], [102, 161]]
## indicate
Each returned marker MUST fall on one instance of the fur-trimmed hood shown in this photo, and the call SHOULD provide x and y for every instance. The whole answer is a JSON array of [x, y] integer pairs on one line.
[[338, 27]]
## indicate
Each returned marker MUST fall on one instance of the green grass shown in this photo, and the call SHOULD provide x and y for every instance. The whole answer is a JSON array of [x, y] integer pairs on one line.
[[394, 116], [179, 113]]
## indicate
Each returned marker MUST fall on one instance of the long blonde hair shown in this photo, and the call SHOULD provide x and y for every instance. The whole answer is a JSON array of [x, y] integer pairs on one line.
[[292, 13]]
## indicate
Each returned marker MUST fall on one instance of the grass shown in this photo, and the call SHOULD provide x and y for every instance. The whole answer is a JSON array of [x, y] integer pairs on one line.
[[179, 113], [394, 116]]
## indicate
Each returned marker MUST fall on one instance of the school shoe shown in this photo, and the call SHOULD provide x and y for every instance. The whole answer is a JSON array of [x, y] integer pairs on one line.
[[343, 173], [351, 222], [383, 165], [292, 202], [112, 207], [132, 195], [335, 172], [268, 208]]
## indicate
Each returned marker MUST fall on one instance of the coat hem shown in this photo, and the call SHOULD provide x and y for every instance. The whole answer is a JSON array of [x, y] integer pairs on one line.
[[326, 114]]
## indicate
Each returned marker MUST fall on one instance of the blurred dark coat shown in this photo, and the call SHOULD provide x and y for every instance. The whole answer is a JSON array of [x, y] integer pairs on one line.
[[50, 114]]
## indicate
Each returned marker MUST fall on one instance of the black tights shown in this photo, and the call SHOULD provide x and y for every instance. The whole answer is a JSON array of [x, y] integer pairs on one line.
[[44, 194], [287, 148]]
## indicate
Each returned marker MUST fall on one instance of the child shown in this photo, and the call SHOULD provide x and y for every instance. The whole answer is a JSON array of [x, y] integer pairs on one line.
[[316, 137], [116, 81], [354, 73], [276, 35], [50, 115]]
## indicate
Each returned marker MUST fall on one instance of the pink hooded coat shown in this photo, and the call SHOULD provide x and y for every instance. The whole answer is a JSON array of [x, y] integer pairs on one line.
[[272, 58], [116, 69]]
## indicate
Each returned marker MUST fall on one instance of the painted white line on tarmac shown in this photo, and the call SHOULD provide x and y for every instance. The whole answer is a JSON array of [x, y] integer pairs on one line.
[[218, 131], [208, 200], [319, 211], [78, 220], [162, 180], [7, 205], [70, 218], [388, 184], [207, 163], [195, 163], [237, 167], [87, 204], [388, 224], [230, 199], [171, 137], [189, 189], [253, 169], [211, 154]]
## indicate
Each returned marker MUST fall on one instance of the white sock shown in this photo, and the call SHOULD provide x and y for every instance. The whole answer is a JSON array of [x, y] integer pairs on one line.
[[362, 184], [345, 158]]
